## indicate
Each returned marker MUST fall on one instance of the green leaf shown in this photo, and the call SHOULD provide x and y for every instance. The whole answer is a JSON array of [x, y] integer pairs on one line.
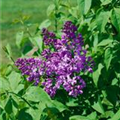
[[19, 37], [4, 116], [8, 70], [19, 88], [84, 6], [1, 110], [74, 12], [97, 73], [107, 114], [108, 57], [45, 24], [36, 94], [14, 79], [25, 17], [105, 101], [72, 103], [35, 113], [105, 2], [105, 42], [102, 20], [116, 116], [112, 93], [50, 9], [114, 81], [23, 115], [95, 42], [115, 18], [78, 117], [8, 47], [39, 42], [1, 115], [8, 106], [8, 50], [98, 106], [92, 116], [4, 84], [53, 105], [14, 105], [61, 107], [24, 41], [27, 46]]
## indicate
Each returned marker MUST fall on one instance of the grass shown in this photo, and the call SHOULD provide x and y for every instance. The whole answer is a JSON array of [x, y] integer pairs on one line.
[[11, 9]]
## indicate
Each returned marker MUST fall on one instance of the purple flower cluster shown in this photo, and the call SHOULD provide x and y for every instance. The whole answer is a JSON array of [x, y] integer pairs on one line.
[[62, 66], [48, 37], [31, 67]]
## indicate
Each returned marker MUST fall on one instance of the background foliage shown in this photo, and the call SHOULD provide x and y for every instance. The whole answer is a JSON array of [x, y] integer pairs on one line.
[[99, 23], [10, 10]]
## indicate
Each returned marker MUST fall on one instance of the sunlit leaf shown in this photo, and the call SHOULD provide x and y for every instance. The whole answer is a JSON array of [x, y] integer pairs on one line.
[[25, 17], [102, 20], [35, 113], [74, 11], [72, 103], [14, 79], [95, 42], [36, 94], [39, 42], [98, 106], [105, 42], [8, 50], [97, 73], [78, 117], [84, 6], [114, 81], [108, 57], [92, 116], [8, 70], [115, 18], [45, 24], [116, 116], [4, 84], [50, 9], [19, 37], [61, 107], [105, 2]]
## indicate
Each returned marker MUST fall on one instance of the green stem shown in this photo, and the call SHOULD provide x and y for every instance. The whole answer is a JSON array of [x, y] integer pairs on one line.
[[10, 57], [56, 12], [27, 29]]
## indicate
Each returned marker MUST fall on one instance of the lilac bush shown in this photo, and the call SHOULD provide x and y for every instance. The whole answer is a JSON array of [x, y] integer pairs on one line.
[[61, 62]]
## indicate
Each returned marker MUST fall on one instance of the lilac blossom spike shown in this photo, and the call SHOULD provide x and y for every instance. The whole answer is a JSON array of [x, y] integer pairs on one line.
[[62, 66]]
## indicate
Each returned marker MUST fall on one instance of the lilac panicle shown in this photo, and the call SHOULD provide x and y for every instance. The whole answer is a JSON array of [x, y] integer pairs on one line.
[[48, 37], [60, 68], [31, 67]]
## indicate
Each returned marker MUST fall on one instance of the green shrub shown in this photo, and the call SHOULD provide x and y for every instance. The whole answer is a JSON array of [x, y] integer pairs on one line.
[[99, 23]]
